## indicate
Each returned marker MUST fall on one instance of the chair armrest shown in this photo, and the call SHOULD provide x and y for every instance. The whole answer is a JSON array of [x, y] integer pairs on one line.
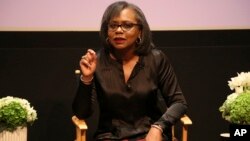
[[81, 124], [185, 120], [81, 128]]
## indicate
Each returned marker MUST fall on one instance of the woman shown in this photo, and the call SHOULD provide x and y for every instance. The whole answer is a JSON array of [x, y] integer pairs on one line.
[[125, 77]]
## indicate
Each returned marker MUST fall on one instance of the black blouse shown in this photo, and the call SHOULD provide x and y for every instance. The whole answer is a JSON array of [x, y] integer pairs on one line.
[[129, 109]]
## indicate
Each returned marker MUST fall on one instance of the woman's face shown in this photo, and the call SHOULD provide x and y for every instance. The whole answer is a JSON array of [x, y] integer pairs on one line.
[[123, 30]]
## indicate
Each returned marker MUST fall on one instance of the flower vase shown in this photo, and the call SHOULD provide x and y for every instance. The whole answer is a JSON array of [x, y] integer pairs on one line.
[[20, 134], [224, 137]]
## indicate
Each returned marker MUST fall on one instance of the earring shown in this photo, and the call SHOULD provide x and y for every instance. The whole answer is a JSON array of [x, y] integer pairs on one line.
[[138, 40], [107, 40]]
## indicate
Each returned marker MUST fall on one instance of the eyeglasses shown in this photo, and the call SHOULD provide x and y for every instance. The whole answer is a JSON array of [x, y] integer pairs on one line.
[[124, 26]]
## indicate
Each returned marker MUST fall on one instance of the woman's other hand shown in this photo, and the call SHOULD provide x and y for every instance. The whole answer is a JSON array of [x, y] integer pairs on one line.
[[154, 134]]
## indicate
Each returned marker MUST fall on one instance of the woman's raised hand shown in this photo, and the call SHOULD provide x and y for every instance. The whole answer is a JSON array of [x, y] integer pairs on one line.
[[88, 65]]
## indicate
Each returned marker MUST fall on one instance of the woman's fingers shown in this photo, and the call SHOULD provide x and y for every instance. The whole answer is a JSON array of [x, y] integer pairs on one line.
[[85, 61], [91, 51], [89, 58], [88, 62]]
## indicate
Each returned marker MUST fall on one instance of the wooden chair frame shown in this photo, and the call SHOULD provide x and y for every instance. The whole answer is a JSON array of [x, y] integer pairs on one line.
[[81, 128]]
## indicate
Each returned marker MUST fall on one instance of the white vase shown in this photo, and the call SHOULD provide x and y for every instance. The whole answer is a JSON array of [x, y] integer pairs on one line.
[[20, 134]]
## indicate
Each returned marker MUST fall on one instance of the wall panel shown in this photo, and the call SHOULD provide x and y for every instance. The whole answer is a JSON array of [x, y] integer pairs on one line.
[[40, 66]]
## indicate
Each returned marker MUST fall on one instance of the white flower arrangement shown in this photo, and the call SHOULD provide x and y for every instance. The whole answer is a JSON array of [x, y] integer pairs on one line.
[[15, 112], [236, 108], [240, 83]]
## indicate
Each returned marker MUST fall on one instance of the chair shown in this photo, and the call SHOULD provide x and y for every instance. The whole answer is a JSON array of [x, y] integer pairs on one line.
[[185, 122], [81, 126]]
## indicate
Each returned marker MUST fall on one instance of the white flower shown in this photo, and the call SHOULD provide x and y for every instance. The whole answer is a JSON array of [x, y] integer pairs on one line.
[[240, 82], [231, 97], [31, 115]]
